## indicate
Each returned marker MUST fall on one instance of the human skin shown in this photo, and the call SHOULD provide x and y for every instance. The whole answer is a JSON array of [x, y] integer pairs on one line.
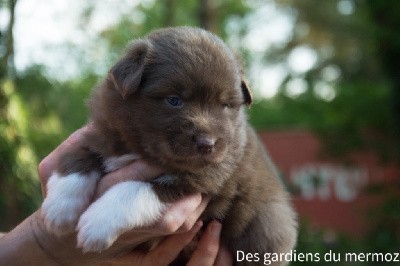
[[31, 244]]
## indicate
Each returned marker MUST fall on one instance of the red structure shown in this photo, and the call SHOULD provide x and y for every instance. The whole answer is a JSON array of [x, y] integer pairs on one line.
[[330, 193]]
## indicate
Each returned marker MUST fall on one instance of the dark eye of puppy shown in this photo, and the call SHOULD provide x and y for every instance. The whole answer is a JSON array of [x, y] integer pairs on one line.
[[174, 101]]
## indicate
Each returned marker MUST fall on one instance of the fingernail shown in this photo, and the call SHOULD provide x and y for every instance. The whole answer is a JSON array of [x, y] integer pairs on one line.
[[198, 225], [215, 228]]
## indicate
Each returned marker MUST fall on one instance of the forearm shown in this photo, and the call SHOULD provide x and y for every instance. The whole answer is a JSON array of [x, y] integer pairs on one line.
[[20, 247], [31, 244]]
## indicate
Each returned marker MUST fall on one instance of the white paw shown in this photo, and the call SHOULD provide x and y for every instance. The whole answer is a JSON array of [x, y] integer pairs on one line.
[[61, 218], [123, 207], [67, 198], [97, 230]]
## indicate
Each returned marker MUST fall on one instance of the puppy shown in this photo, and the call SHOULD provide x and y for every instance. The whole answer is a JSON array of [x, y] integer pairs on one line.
[[176, 99]]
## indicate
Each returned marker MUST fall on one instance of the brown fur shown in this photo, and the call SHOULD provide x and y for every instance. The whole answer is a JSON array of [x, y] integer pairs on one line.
[[129, 114]]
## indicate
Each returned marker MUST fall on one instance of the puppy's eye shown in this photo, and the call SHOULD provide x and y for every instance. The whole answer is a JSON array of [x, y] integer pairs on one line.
[[174, 101]]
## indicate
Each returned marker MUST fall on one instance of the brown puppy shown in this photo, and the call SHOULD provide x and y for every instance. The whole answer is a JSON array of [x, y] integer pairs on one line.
[[176, 99]]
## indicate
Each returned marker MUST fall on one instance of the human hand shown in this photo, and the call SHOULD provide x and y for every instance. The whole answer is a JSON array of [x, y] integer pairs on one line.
[[208, 250], [178, 218]]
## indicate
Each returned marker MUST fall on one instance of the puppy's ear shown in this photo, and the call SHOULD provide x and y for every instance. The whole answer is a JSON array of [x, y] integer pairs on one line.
[[247, 95], [126, 75]]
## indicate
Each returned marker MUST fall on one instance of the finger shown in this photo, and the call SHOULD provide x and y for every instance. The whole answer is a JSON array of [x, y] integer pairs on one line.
[[133, 258], [170, 247], [138, 170], [164, 253], [177, 213], [170, 222], [192, 218], [224, 257], [48, 164], [208, 246]]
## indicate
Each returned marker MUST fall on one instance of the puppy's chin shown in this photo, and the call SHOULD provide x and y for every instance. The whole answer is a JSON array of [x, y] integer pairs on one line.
[[191, 160], [197, 160]]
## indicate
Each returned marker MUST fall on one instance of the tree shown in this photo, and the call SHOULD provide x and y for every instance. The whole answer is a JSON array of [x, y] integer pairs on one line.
[[347, 94], [18, 190], [33, 120], [7, 40], [386, 19], [351, 95]]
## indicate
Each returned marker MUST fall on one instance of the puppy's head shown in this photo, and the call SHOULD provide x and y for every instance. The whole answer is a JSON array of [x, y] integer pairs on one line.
[[178, 96]]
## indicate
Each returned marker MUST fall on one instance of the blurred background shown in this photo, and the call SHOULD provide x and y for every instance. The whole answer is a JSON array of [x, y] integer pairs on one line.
[[325, 75]]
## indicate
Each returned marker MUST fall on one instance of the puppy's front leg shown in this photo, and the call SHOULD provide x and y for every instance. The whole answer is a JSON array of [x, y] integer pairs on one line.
[[123, 207], [70, 189], [170, 188]]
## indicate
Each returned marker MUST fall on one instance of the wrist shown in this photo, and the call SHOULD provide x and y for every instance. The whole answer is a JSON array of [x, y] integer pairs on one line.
[[63, 249], [54, 247], [20, 247]]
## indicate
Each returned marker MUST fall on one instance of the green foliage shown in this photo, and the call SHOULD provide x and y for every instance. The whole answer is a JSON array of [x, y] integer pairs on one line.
[[364, 113], [358, 118], [54, 109], [321, 242], [384, 235], [38, 111], [19, 191], [155, 15]]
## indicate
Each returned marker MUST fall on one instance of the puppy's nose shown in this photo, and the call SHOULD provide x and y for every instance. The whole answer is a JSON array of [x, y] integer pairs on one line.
[[205, 144]]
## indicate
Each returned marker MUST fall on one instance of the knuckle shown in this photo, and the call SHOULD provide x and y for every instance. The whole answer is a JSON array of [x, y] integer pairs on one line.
[[170, 224], [210, 250], [42, 168], [197, 198], [157, 259], [187, 225]]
